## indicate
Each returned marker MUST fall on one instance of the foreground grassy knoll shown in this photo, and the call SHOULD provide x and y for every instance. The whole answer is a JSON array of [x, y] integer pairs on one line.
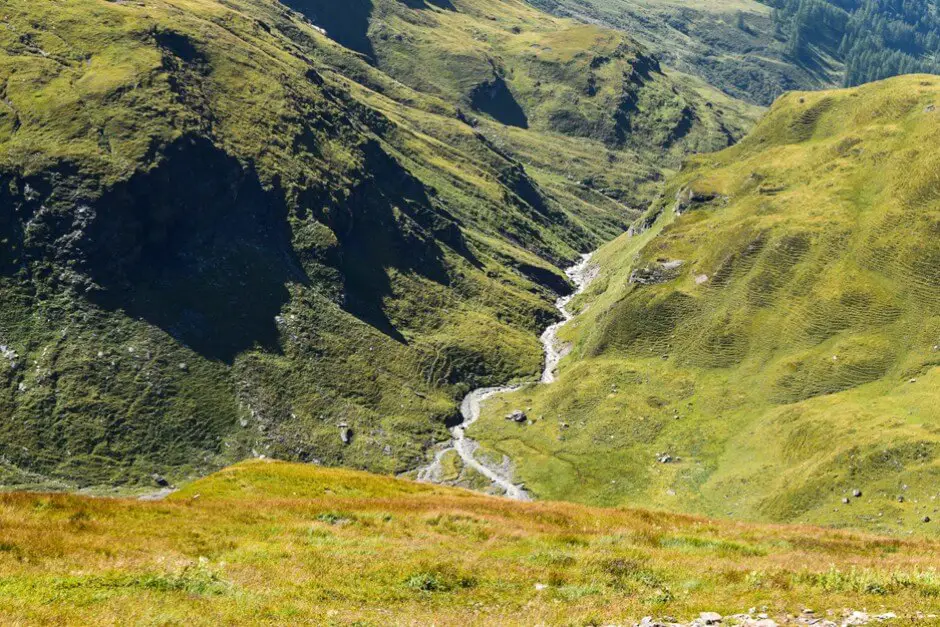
[[226, 231], [767, 340], [271, 542]]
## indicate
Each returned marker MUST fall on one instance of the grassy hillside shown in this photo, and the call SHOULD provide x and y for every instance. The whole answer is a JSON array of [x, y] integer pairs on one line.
[[766, 341], [228, 232], [275, 543]]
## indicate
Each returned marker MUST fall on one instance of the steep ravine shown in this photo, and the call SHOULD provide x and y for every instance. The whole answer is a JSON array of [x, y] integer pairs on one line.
[[581, 274]]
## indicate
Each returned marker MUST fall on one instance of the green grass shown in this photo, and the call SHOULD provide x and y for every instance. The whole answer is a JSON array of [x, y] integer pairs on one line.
[[230, 234], [804, 367], [270, 542]]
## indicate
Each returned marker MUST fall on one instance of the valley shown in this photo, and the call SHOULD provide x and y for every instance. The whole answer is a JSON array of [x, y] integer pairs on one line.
[[488, 312]]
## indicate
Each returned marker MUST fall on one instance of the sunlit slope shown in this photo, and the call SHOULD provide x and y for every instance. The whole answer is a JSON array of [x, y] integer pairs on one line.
[[791, 357], [276, 543]]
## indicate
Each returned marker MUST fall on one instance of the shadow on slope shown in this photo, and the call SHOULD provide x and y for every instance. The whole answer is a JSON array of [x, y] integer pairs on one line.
[[195, 246]]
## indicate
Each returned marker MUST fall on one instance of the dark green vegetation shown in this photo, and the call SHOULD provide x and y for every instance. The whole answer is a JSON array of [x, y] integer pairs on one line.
[[872, 39], [226, 233], [771, 341]]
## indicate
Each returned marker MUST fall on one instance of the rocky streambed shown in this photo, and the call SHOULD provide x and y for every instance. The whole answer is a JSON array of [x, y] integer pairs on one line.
[[501, 476]]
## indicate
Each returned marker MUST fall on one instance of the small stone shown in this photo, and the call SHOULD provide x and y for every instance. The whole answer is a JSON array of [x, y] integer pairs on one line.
[[926, 519], [160, 480], [856, 493], [710, 618], [345, 434], [183, 366], [900, 498], [540, 586], [845, 500], [886, 616]]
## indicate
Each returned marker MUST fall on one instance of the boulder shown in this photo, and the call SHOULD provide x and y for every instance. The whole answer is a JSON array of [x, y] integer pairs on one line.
[[688, 199], [517, 415]]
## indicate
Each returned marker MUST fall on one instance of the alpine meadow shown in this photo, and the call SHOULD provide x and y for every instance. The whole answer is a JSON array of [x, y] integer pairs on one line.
[[483, 312]]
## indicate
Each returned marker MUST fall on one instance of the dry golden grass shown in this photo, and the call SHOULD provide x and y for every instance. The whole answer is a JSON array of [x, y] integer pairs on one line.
[[286, 543]]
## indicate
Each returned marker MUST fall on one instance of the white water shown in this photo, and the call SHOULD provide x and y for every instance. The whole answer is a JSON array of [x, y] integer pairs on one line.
[[581, 274]]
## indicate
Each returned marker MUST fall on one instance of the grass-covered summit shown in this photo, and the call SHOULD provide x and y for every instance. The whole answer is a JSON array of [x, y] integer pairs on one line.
[[233, 229], [766, 340]]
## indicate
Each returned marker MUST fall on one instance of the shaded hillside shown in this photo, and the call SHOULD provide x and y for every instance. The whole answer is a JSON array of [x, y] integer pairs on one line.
[[765, 341], [274, 543], [225, 235], [874, 40]]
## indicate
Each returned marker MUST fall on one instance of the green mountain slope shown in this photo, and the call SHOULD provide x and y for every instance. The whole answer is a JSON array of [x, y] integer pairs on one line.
[[767, 339], [225, 234], [874, 40]]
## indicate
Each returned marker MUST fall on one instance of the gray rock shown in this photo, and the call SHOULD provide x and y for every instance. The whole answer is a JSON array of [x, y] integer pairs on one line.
[[345, 434], [517, 415], [656, 272], [160, 480], [710, 618], [856, 493], [688, 199]]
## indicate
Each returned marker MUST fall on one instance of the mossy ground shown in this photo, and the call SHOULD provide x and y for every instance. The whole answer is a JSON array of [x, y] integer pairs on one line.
[[270, 542], [791, 359]]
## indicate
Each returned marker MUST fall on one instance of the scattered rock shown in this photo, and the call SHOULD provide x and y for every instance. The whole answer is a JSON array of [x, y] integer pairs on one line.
[[845, 500], [926, 519], [541, 586], [701, 278], [710, 618], [930, 109], [345, 433], [856, 493], [656, 272], [856, 618], [160, 480], [184, 367]]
